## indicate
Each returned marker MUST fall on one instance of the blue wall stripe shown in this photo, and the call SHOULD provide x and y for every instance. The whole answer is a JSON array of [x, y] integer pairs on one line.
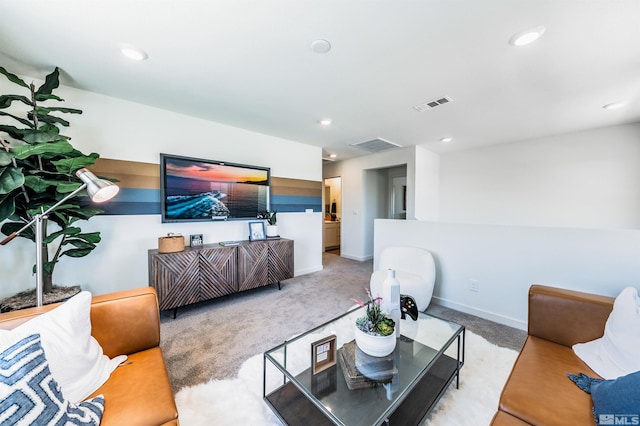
[[290, 208], [132, 201], [142, 195], [295, 199], [128, 208]]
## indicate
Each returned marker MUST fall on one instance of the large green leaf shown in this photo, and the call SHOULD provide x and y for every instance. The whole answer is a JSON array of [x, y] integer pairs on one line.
[[10, 179], [12, 131], [13, 78], [76, 252], [20, 119], [5, 158], [44, 206], [9, 228], [78, 243], [42, 97], [67, 187], [40, 110], [51, 119], [50, 82], [39, 184], [7, 206], [86, 212], [70, 231], [70, 165], [91, 237], [25, 151], [39, 136], [7, 100]]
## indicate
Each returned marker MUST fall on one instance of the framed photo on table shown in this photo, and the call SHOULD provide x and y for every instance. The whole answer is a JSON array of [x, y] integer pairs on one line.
[[256, 231], [323, 354]]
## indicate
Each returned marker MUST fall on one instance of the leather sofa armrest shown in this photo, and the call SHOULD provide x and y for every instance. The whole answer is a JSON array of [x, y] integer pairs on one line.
[[566, 316], [126, 322]]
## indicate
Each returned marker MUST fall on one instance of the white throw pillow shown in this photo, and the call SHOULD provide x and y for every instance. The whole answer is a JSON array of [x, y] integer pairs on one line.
[[617, 352], [75, 358]]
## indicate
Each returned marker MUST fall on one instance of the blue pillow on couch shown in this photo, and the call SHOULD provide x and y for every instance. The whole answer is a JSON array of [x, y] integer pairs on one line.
[[30, 395], [612, 399]]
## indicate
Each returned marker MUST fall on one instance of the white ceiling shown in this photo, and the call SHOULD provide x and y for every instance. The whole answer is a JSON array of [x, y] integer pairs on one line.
[[248, 63]]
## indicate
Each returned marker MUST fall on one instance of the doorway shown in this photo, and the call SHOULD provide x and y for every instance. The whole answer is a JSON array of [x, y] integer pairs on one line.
[[332, 201]]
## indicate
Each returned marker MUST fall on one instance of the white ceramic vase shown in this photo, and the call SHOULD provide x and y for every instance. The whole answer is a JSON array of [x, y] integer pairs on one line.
[[375, 345], [272, 230]]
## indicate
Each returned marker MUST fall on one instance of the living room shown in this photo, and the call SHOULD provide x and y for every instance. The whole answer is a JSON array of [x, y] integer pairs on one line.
[[557, 204]]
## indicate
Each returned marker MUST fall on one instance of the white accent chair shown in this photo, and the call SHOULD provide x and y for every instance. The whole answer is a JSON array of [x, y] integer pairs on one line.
[[415, 271]]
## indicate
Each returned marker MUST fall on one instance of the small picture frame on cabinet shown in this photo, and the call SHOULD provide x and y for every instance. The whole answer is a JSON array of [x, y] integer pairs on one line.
[[256, 231], [195, 240]]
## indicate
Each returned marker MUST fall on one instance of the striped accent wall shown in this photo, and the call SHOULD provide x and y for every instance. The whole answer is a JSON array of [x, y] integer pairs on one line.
[[140, 189], [139, 186], [295, 195]]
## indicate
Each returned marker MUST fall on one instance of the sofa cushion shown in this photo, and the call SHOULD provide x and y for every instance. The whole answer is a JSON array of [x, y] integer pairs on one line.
[[75, 357], [615, 354], [30, 395], [614, 401], [138, 393], [538, 391]]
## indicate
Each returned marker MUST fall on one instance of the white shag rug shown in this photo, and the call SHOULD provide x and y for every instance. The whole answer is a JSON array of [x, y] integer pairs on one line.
[[239, 401]]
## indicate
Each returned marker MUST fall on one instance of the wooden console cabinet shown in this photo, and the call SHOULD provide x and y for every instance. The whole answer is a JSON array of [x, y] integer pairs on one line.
[[212, 270]]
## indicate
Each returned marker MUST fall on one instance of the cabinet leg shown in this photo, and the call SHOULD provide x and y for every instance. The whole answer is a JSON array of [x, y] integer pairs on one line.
[[175, 312], [279, 286]]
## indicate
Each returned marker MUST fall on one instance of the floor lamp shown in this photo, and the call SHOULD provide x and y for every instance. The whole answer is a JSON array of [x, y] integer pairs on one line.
[[99, 191]]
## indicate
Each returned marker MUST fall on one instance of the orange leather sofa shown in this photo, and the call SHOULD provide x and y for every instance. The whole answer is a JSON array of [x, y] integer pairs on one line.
[[138, 392], [538, 391]]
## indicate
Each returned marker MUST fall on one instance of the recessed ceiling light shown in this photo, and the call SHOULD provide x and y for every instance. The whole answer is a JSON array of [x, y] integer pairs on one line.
[[320, 46], [614, 105], [133, 53], [527, 36], [332, 156], [325, 121], [447, 139]]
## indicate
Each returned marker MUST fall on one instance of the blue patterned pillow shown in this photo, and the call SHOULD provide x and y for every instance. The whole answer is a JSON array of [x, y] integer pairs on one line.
[[615, 401], [30, 395]]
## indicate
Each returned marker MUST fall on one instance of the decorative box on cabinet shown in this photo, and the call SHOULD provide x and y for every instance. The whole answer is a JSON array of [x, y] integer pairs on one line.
[[211, 271]]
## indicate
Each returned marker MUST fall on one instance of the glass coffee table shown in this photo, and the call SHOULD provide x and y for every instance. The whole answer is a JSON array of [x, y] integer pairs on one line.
[[400, 389]]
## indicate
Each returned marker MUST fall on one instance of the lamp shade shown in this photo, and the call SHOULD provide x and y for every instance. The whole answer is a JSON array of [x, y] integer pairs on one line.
[[99, 190]]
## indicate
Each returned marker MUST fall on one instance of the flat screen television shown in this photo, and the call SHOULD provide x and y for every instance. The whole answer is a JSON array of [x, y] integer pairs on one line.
[[195, 189]]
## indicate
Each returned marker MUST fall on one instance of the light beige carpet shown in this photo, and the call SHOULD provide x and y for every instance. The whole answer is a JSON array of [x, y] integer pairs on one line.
[[211, 340]]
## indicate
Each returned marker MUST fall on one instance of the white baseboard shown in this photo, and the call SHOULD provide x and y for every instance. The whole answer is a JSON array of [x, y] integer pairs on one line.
[[306, 271], [491, 316], [358, 258]]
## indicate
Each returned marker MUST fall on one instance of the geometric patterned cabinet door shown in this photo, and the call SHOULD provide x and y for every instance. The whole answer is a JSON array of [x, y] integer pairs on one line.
[[253, 265], [218, 272], [280, 260], [175, 276]]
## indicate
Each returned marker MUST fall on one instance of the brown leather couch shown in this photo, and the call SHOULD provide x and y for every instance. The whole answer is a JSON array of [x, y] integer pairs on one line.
[[538, 391], [138, 392]]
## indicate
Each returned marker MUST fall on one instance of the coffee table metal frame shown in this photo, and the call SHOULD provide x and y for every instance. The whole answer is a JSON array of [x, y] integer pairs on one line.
[[299, 401]]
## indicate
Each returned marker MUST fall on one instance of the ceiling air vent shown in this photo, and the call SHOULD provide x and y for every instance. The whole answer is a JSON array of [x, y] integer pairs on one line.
[[376, 145], [432, 104]]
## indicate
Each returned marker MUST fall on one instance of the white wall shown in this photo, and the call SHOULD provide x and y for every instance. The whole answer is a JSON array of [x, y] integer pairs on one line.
[[587, 179], [129, 131], [506, 260], [562, 210], [357, 221]]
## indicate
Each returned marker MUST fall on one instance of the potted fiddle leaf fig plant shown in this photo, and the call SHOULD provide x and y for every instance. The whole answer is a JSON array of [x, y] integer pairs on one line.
[[37, 169]]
